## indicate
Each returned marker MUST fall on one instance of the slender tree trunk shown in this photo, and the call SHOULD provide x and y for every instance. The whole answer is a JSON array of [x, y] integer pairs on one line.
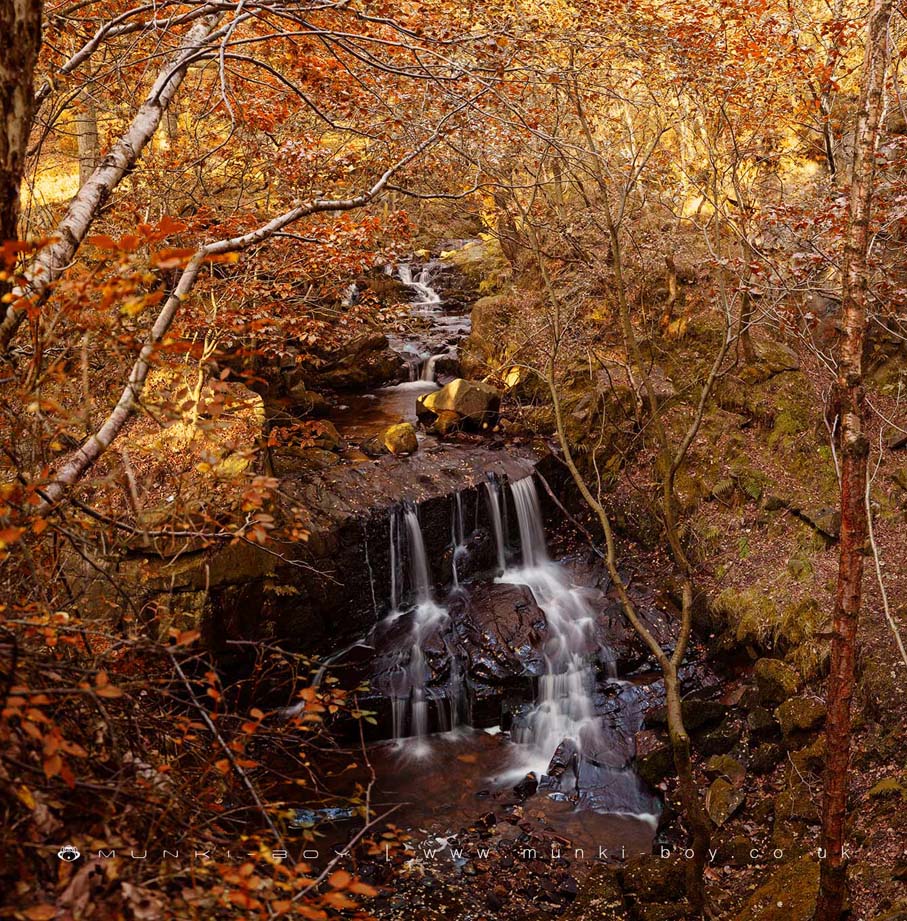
[[854, 452], [87, 136], [20, 26]]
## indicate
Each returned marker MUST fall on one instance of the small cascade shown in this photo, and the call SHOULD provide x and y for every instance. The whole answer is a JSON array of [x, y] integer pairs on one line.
[[426, 296], [428, 617], [564, 710], [493, 492]]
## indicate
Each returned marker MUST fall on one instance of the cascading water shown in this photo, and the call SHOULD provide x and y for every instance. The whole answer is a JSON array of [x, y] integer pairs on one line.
[[423, 359], [428, 618], [564, 708], [493, 492]]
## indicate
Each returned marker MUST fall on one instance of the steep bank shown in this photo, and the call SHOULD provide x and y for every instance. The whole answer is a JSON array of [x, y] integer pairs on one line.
[[756, 499]]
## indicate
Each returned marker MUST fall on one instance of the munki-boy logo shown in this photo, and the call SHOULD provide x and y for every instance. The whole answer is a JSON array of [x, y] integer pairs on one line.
[[68, 852]]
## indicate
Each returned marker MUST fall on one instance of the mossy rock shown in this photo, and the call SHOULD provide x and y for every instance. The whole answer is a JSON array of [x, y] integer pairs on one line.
[[655, 765], [732, 850], [761, 723], [750, 615], [721, 739], [789, 894], [725, 766], [401, 439], [765, 757], [696, 714], [811, 759], [795, 802], [722, 800], [776, 681], [800, 715]]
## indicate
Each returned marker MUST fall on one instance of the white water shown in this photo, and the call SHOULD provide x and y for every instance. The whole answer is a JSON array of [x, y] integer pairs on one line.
[[493, 491], [427, 303], [564, 707], [428, 618]]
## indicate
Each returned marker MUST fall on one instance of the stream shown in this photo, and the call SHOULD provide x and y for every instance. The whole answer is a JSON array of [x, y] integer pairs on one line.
[[495, 675]]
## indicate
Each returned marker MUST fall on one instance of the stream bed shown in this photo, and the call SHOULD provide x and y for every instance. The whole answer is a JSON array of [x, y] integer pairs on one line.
[[500, 678]]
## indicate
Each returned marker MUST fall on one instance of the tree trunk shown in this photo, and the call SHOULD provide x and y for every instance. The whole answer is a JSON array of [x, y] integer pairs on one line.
[[20, 23], [54, 258], [87, 136], [854, 452]]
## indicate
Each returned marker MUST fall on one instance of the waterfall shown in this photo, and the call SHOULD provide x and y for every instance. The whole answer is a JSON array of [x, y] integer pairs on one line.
[[529, 518], [428, 618], [493, 491], [564, 707]]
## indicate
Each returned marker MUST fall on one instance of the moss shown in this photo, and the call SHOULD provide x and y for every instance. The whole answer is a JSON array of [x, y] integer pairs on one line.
[[888, 788], [775, 680], [789, 894], [800, 715], [750, 615]]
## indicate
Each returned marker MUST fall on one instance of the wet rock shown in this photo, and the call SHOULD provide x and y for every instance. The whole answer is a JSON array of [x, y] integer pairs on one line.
[[501, 629], [365, 361], [327, 437], [721, 739], [373, 447], [776, 681], [400, 439], [654, 757], [789, 895], [527, 786], [800, 715], [722, 800], [290, 459], [476, 404]]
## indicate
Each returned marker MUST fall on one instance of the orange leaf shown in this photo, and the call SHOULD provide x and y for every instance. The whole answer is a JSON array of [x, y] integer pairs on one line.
[[40, 913], [340, 879]]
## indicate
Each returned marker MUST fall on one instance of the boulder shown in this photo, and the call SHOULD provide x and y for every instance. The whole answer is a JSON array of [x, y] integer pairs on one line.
[[400, 439], [776, 681], [327, 437], [789, 894], [761, 723], [722, 800], [501, 629], [446, 423], [475, 404], [800, 715]]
